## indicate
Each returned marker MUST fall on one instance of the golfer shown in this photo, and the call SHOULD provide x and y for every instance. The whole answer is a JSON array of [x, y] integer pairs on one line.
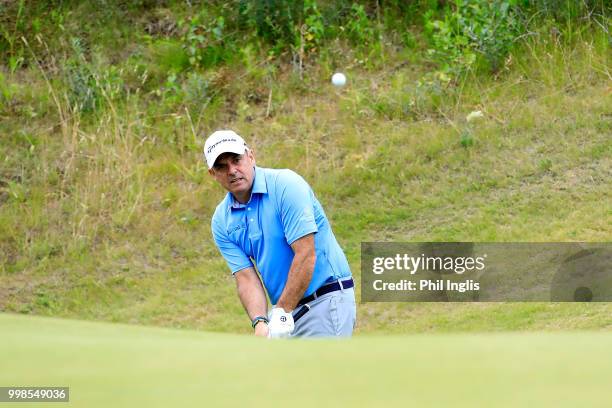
[[271, 223]]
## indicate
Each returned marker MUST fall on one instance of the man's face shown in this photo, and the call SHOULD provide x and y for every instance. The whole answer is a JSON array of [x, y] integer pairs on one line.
[[235, 172]]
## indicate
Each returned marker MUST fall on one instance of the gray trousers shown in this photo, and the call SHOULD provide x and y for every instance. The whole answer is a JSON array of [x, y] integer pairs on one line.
[[331, 315]]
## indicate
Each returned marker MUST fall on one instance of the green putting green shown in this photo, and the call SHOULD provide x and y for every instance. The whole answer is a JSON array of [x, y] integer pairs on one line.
[[115, 365]]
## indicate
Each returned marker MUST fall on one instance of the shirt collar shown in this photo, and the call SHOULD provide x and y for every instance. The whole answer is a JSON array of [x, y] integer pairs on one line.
[[259, 186]]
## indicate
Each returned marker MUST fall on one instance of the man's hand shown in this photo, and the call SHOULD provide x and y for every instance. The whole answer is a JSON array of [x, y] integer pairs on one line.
[[261, 329], [281, 323]]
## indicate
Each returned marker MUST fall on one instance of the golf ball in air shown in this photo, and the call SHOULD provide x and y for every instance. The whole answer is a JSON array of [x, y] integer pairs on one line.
[[338, 79]]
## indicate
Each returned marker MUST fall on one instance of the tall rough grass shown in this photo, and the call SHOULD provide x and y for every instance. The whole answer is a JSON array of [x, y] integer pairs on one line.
[[105, 213]]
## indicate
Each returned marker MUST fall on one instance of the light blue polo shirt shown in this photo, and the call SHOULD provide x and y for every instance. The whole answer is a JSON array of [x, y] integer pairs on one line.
[[282, 209]]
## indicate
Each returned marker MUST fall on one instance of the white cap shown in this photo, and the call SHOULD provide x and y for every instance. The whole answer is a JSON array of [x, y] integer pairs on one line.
[[223, 141]]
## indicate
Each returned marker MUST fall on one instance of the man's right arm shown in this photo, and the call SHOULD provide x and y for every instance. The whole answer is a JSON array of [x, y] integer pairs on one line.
[[250, 289], [253, 297]]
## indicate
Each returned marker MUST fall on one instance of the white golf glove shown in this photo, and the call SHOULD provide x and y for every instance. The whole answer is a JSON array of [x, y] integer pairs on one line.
[[281, 323]]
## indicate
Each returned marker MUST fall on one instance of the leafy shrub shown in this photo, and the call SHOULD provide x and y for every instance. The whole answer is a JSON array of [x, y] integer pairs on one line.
[[205, 40], [561, 10], [360, 30], [473, 32], [82, 90], [88, 85], [197, 91], [313, 27], [399, 14], [277, 22]]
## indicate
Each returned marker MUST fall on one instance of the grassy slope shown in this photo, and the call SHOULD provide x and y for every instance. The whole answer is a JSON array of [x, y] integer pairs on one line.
[[128, 366], [107, 216]]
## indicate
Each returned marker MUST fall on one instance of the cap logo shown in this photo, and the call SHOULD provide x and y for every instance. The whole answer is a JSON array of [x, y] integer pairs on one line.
[[211, 147]]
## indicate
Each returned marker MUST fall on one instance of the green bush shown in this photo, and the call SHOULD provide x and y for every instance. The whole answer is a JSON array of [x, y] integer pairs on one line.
[[197, 91], [205, 41], [82, 90], [88, 84], [473, 33], [313, 27], [563, 10], [275, 21], [307, 24], [360, 30]]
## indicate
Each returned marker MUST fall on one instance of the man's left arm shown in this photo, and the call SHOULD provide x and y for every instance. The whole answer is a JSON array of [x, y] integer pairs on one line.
[[300, 272]]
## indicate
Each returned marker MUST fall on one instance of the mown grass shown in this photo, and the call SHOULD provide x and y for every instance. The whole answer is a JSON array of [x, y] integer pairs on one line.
[[119, 365], [105, 215]]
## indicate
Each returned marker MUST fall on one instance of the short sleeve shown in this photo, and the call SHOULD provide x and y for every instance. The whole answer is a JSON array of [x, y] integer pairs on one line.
[[234, 256], [296, 206]]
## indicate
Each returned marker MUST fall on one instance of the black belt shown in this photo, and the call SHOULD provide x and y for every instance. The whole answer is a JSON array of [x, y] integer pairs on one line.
[[330, 287]]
